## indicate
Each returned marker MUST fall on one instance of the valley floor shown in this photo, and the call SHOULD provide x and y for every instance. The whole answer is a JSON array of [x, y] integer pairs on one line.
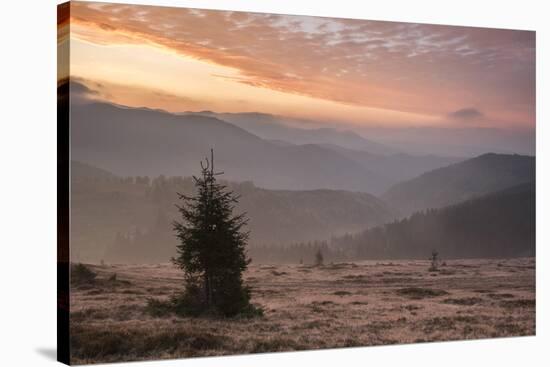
[[333, 306]]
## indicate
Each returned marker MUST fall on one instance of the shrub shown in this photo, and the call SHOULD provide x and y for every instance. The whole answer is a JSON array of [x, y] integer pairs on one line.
[[434, 258], [188, 304], [81, 274]]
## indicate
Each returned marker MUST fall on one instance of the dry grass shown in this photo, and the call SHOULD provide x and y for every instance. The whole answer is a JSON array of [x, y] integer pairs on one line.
[[421, 293], [338, 305]]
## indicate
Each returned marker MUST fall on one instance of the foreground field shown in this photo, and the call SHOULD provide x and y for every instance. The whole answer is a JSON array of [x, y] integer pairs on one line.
[[337, 305]]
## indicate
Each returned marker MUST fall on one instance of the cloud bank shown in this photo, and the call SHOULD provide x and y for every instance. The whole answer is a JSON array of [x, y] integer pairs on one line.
[[405, 67]]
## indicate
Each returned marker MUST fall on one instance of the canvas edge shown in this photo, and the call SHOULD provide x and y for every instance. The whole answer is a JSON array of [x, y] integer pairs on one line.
[[63, 184]]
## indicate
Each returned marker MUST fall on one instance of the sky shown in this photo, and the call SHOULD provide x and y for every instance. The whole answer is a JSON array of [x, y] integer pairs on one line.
[[351, 72]]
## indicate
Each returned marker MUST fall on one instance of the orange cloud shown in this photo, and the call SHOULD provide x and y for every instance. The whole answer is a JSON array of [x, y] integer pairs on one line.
[[425, 69]]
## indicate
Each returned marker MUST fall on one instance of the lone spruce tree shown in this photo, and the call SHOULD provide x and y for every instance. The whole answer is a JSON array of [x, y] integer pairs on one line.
[[212, 249]]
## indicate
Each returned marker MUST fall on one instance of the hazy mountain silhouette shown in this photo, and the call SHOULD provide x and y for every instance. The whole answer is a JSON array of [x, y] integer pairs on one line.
[[141, 141], [395, 168], [131, 141], [82, 171], [272, 127], [129, 219], [469, 141], [496, 225], [459, 141], [461, 181]]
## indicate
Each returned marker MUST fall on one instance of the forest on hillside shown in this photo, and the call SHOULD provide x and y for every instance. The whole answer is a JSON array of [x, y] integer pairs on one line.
[[498, 225], [135, 214]]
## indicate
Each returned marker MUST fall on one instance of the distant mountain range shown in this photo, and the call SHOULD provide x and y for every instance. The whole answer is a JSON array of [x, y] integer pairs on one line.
[[460, 141], [394, 167], [139, 141], [461, 181], [278, 128], [298, 183], [129, 220]]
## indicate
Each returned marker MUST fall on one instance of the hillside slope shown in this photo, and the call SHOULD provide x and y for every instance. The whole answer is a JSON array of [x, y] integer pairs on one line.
[[129, 219], [394, 168], [497, 225], [461, 181]]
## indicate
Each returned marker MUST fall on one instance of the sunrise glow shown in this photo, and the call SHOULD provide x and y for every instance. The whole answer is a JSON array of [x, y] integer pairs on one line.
[[356, 72]]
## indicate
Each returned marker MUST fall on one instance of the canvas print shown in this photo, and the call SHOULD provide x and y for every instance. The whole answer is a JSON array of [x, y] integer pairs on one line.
[[236, 182]]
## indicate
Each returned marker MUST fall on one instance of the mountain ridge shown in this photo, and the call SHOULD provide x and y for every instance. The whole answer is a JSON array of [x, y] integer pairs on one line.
[[272, 127], [499, 224], [461, 181], [136, 142]]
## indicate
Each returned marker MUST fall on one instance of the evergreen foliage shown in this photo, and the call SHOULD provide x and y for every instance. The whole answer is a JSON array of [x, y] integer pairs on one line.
[[212, 249], [500, 225]]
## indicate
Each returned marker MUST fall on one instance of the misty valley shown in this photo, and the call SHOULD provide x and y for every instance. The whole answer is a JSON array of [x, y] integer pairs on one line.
[[136, 215], [326, 193]]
